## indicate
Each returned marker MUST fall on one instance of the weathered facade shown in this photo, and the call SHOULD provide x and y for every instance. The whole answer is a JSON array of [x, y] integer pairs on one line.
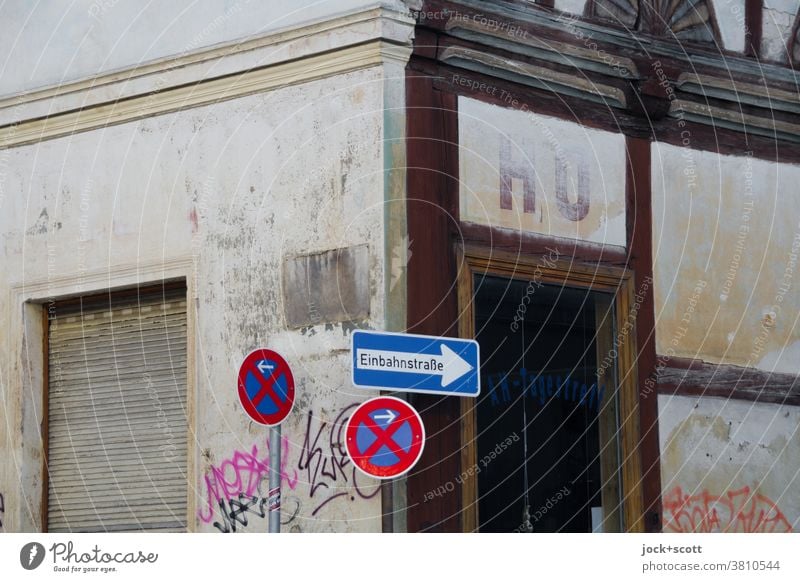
[[199, 167], [601, 194]]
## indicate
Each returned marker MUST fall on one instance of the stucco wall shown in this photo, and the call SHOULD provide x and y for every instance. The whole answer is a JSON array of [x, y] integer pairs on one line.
[[726, 237], [729, 465], [230, 190], [776, 25], [563, 179], [570, 6], [731, 23]]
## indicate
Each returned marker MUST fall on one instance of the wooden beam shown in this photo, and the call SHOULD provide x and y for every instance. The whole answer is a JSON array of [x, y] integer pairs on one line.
[[794, 41], [432, 214], [704, 137], [526, 243], [540, 38], [692, 377], [640, 242], [753, 14]]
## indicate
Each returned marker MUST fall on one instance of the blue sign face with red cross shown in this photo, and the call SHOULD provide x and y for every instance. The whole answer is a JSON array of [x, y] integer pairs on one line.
[[266, 387], [385, 437]]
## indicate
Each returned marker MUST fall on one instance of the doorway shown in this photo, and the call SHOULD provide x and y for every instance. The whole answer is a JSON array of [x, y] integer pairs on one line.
[[552, 437], [544, 401]]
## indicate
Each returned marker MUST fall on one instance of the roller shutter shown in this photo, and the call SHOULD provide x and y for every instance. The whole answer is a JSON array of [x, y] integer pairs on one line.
[[117, 420]]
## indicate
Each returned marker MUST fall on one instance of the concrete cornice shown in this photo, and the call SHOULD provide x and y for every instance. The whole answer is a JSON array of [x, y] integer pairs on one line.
[[337, 46], [122, 276]]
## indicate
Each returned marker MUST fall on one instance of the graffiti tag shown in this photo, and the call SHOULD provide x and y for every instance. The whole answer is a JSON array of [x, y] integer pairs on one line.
[[242, 475], [741, 510], [236, 489], [326, 464]]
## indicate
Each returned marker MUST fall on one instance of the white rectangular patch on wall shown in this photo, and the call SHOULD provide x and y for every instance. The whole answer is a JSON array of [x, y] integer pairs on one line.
[[531, 173]]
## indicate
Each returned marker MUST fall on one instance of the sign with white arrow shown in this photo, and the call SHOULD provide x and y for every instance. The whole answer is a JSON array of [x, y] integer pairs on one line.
[[416, 363], [384, 437], [266, 387]]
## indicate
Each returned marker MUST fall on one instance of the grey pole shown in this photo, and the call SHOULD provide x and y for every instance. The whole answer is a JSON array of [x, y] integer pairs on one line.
[[274, 498]]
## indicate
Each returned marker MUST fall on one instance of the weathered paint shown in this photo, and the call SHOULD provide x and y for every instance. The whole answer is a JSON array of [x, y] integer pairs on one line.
[[570, 6], [726, 239], [328, 287], [233, 190], [729, 465], [778, 16], [532, 173], [731, 22]]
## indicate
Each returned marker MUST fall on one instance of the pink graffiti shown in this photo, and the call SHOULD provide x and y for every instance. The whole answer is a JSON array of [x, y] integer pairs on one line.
[[242, 474], [733, 511]]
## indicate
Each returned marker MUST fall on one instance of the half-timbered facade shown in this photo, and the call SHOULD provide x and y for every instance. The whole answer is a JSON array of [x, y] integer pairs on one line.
[[644, 150], [602, 194]]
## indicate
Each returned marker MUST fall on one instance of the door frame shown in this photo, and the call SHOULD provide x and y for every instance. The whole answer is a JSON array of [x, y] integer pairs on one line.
[[472, 260]]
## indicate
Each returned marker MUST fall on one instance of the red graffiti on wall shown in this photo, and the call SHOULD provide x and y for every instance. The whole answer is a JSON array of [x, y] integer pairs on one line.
[[740, 510]]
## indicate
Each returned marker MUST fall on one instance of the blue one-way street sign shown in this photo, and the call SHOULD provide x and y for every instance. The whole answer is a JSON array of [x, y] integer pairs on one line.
[[416, 363]]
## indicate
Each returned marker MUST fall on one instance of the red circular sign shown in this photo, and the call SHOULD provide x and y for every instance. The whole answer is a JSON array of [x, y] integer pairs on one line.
[[266, 387], [385, 437]]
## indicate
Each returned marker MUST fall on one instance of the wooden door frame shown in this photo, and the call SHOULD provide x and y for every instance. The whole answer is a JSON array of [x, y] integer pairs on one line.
[[472, 260]]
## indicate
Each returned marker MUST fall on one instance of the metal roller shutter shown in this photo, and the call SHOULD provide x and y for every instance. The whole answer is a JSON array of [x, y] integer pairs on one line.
[[117, 421]]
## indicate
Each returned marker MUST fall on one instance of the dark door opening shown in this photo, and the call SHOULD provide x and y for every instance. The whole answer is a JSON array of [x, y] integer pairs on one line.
[[546, 429]]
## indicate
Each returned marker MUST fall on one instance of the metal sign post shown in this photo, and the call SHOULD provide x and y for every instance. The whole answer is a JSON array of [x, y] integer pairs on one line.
[[275, 479], [266, 391]]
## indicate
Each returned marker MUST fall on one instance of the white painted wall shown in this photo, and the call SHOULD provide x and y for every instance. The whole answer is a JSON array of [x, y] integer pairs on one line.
[[726, 241], [43, 46], [570, 6], [731, 22], [233, 188], [776, 27], [737, 458]]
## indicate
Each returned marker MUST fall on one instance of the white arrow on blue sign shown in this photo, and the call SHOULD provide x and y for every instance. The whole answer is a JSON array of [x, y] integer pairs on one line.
[[416, 363]]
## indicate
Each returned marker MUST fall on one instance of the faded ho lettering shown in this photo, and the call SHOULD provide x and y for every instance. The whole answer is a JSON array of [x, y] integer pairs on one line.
[[578, 210], [523, 170]]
